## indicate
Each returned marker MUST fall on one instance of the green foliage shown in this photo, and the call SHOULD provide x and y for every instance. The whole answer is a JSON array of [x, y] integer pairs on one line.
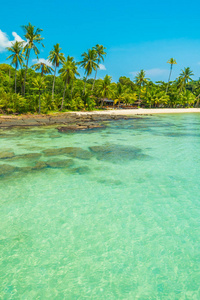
[[12, 103], [76, 103], [52, 92]]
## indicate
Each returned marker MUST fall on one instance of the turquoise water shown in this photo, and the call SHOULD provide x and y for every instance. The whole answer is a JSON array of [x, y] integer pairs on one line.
[[118, 218]]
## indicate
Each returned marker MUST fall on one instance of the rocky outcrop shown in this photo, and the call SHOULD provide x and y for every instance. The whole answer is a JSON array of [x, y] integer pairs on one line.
[[73, 121], [80, 126]]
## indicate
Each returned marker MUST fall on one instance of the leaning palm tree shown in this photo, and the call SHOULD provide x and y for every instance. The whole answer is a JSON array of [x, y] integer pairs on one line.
[[17, 57], [100, 57], [172, 62], [89, 63], [39, 85], [44, 68], [68, 72], [140, 80], [56, 57], [33, 37]]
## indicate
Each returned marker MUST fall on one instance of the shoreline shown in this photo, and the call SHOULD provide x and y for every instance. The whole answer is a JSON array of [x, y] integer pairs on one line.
[[145, 111], [85, 120]]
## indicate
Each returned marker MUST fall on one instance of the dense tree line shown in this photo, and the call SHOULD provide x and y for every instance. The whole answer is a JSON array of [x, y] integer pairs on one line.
[[56, 86]]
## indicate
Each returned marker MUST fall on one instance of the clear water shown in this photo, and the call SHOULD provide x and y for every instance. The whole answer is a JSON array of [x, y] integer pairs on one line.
[[126, 226]]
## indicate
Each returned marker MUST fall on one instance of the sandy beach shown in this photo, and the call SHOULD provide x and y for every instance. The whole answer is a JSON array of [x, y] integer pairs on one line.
[[84, 119], [143, 111]]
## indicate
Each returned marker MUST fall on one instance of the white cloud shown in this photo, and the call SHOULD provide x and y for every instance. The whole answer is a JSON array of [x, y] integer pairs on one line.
[[102, 67], [5, 42], [42, 60], [152, 72]]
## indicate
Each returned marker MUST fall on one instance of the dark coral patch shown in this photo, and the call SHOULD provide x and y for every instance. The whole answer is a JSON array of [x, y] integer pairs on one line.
[[75, 152], [7, 169], [5, 155], [80, 170], [116, 153], [60, 163]]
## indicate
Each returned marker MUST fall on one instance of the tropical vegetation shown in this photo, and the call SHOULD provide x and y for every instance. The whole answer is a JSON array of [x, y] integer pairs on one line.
[[54, 84]]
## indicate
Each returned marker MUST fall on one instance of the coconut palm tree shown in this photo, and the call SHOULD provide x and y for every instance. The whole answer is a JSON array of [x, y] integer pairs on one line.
[[140, 80], [56, 58], [44, 68], [17, 57], [33, 37], [39, 85], [105, 89], [89, 63], [100, 58], [68, 72], [185, 76], [172, 62], [119, 93]]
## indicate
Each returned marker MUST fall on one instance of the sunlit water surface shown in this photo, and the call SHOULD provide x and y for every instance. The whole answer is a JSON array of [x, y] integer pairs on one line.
[[121, 220]]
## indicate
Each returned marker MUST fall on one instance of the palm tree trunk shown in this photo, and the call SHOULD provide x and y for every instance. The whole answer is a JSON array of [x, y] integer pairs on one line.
[[39, 103], [170, 73], [63, 95], [84, 85], [94, 80], [72, 88], [15, 80], [53, 83], [9, 77], [26, 70], [197, 98], [139, 96]]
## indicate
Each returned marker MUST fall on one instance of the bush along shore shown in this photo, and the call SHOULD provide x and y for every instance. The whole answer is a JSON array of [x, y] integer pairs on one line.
[[54, 83]]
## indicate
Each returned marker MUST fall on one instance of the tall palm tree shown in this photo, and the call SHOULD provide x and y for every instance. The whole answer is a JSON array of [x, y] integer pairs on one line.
[[56, 57], [33, 37], [100, 58], [68, 72], [44, 68], [172, 62], [89, 63], [39, 85], [17, 57], [140, 80]]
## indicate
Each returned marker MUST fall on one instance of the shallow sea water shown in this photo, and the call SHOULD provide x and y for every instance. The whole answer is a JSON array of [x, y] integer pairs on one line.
[[122, 221]]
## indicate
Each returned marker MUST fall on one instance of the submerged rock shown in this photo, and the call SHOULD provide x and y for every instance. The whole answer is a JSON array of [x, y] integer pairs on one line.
[[25, 156], [53, 152], [60, 163], [53, 164], [115, 153], [7, 169], [110, 181], [80, 126], [40, 165], [75, 152], [80, 170], [5, 155], [78, 152], [30, 155], [25, 169]]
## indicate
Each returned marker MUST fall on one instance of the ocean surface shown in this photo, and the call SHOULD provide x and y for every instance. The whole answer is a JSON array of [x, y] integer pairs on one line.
[[103, 214]]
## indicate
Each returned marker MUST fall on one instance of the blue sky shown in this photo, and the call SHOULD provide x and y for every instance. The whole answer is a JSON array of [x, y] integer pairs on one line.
[[137, 34]]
